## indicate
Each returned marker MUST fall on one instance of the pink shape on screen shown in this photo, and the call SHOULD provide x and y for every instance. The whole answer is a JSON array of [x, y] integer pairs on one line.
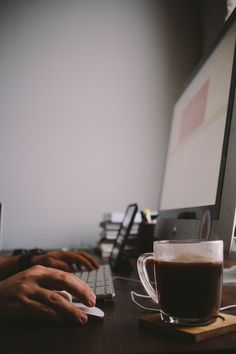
[[194, 113]]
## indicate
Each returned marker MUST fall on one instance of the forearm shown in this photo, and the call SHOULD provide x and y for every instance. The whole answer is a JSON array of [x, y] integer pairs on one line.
[[9, 266]]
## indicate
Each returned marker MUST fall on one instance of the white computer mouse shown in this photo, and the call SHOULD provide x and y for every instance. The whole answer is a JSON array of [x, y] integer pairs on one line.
[[92, 311], [65, 294]]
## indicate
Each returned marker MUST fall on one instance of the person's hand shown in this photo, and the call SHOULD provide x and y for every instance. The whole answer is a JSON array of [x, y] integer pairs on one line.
[[65, 260], [32, 295]]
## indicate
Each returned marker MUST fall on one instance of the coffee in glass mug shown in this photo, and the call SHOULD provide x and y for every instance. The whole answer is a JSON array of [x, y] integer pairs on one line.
[[187, 280]]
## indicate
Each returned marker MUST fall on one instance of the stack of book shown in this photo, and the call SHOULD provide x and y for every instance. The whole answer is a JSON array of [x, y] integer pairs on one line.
[[109, 226]]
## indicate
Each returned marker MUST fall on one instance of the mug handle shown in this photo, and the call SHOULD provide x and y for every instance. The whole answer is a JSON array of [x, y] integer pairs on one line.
[[143, 274]]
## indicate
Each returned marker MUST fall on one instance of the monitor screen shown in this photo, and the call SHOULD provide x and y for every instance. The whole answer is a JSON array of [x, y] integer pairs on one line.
[[198, 145]]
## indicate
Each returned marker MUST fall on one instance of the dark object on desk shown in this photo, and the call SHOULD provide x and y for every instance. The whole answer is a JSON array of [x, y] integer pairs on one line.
[[146, 237], [223, 324]]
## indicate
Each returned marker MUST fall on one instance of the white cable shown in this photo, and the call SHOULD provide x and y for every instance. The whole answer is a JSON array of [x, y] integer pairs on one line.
[[132, 293], [227, 307], [124, 278], [141, 295]]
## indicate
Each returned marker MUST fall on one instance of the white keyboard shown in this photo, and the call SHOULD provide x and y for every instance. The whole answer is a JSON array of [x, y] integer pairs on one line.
[[100, 280]]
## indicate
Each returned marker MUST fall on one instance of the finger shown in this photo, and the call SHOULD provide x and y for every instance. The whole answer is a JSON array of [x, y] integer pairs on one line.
[[90, 258], [52, 262], [75, 257], [81, 259], [55, 279], [26, 308], [59, 305], [41, 311], [58, 264]]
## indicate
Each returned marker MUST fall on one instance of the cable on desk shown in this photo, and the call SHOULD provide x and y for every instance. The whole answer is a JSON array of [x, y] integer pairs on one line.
[[124, 278], [133, 293], [229, 307]]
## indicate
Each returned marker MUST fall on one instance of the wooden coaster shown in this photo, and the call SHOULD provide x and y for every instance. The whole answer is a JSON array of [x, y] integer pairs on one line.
[[223, 324]]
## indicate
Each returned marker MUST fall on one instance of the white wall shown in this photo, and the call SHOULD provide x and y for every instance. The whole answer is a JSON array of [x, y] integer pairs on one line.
[[85, 98]]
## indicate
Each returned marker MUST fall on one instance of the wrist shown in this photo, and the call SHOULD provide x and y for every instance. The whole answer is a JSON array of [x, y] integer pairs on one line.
[[28, 258], [24, 261]]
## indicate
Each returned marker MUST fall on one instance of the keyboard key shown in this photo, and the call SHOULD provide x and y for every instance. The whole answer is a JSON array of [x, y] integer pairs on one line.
[[92, 276], [84, 276], [100, 290], [100, 280]]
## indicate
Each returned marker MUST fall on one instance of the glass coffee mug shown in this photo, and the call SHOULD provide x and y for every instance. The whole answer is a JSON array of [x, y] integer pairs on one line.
[[187, 280]]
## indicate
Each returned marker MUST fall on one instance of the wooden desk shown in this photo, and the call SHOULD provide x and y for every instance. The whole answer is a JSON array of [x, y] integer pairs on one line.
[[117, 333]]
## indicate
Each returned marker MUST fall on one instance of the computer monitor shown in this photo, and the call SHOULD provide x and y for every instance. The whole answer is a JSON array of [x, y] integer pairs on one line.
[[198, 196]]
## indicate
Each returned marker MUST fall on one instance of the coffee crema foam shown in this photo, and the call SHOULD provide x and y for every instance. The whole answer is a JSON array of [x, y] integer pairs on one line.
[[187, 258]]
